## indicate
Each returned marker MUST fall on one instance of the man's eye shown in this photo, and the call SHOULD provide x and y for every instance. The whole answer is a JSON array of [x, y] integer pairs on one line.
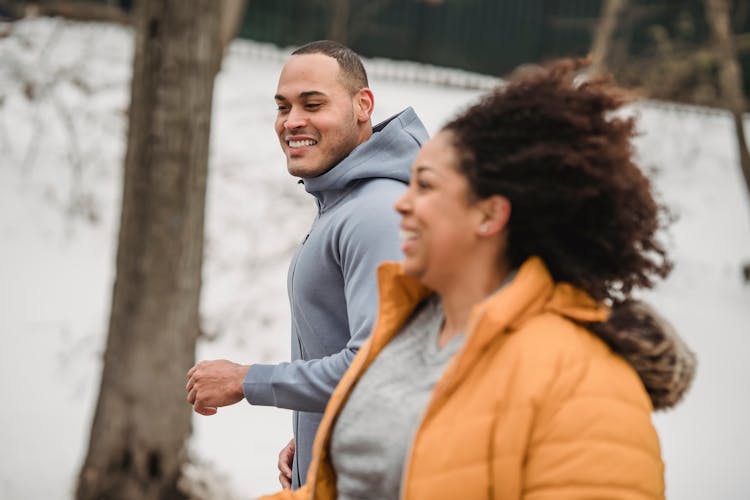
[[312, 105], [423, 185], [281, 107]]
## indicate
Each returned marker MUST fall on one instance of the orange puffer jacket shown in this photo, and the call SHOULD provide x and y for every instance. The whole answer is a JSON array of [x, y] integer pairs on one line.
[[533, 406]]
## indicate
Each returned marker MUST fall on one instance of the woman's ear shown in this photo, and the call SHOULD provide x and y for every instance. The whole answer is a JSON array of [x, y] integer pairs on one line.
[[365, 103], [495, 211]]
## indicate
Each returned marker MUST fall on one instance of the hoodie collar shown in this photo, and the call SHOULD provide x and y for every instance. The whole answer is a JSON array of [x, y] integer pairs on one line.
[[391, 142]]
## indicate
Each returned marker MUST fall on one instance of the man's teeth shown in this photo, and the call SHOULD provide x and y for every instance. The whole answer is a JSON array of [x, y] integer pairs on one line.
[[407, 235], [299, 144]]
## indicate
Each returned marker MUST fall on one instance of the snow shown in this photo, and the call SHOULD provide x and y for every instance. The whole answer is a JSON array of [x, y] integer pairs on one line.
[[64, 91]]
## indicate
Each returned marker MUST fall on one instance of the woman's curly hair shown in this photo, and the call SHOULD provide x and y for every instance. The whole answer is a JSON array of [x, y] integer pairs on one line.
[[554, 148]]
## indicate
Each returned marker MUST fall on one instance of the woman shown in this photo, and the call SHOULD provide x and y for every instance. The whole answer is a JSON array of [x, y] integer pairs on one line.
[[508, 359]]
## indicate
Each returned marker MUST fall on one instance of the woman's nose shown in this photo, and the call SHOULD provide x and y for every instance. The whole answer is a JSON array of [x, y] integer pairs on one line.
[[403, 203]]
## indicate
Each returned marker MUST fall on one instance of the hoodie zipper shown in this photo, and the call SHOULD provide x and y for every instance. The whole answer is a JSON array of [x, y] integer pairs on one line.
[[294, 271]]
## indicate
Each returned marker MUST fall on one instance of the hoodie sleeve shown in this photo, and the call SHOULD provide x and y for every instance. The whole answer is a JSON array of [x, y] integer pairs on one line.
[[368, 237]]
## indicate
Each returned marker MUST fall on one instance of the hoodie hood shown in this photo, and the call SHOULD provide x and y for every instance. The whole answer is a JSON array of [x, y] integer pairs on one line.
[[653, 348], [392, 140]]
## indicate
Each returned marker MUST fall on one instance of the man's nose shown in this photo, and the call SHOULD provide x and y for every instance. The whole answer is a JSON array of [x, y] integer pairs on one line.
[[295, 119]]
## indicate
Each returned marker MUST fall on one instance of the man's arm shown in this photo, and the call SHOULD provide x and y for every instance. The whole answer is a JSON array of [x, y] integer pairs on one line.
[[370, 236]]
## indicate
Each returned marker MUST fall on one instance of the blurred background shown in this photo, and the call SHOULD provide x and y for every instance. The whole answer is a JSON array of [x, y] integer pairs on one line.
[[147, 219], [662, 47]]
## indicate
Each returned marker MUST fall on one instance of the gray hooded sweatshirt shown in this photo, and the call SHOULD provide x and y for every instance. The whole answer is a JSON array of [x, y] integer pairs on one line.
[[332, 280]]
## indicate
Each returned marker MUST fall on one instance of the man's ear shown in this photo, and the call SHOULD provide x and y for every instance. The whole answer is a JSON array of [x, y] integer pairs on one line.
[[495, 214], [364, 102]]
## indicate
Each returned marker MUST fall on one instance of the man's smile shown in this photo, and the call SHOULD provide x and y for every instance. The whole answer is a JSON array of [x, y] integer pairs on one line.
[[301, 143]]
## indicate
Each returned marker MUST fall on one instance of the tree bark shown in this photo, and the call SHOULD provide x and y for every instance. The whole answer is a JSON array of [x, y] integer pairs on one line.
[[142, 422], [730, 75], [605, 33], [338, 29], [232, 15]]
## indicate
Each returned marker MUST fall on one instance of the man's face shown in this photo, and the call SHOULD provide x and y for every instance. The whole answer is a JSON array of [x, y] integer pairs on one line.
[[319, 122]]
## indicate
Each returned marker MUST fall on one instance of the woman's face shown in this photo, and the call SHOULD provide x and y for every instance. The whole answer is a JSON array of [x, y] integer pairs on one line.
[[440, 225]]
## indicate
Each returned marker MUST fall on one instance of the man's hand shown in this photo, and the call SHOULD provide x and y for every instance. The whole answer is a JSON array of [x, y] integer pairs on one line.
[[286, 456], [212, 384]]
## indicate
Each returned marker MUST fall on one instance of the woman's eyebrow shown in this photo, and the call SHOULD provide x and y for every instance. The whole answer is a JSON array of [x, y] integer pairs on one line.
[[425, 168]]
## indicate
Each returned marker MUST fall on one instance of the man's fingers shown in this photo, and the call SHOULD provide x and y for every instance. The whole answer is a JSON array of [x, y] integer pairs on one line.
[[286, 457], [205, 410], [284, 466], [192, 395], [191, 371]]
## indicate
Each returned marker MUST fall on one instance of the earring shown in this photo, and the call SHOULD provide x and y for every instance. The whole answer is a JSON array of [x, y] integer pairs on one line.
[[483, 228]]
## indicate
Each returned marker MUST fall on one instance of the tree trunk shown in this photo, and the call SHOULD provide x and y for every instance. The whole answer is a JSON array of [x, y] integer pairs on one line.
[[142, 422], [730, 75], [601, 47], [232, 15], [338, 28]]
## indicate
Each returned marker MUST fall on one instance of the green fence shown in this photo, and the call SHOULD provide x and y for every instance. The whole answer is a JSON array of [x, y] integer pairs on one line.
[[495, 36], [488, 36]]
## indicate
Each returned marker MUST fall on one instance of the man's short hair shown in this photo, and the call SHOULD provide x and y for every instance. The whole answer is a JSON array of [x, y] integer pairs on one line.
[[353, 74]]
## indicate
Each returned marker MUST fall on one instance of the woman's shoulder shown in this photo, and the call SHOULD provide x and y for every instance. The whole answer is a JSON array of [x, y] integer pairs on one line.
[[572, 360], [551, 336]]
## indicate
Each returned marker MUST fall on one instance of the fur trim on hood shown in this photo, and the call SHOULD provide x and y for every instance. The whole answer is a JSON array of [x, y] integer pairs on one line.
[[651, 345]]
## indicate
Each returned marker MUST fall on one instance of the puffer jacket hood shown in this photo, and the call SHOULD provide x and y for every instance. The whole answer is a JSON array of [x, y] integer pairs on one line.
[[653, 348]]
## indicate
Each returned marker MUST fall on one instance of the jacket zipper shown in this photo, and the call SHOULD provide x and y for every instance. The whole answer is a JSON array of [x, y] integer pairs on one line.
[[436, 391]]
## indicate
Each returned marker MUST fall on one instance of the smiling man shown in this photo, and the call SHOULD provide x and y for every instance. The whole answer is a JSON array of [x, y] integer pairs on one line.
[[355, 172]]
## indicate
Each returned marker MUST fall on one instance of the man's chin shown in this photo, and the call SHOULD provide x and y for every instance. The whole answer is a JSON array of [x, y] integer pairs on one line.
[[306, 171], [298, 171]]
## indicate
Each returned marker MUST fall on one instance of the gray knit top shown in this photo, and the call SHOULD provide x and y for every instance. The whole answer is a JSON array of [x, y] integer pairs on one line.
[[374, 431]]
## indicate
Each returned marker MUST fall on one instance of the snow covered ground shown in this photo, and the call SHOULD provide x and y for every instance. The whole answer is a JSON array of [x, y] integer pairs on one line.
[[64, 90]]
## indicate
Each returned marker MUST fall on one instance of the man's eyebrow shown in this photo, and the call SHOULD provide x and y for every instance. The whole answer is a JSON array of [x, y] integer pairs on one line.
[[312, 93], [304, 95]]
